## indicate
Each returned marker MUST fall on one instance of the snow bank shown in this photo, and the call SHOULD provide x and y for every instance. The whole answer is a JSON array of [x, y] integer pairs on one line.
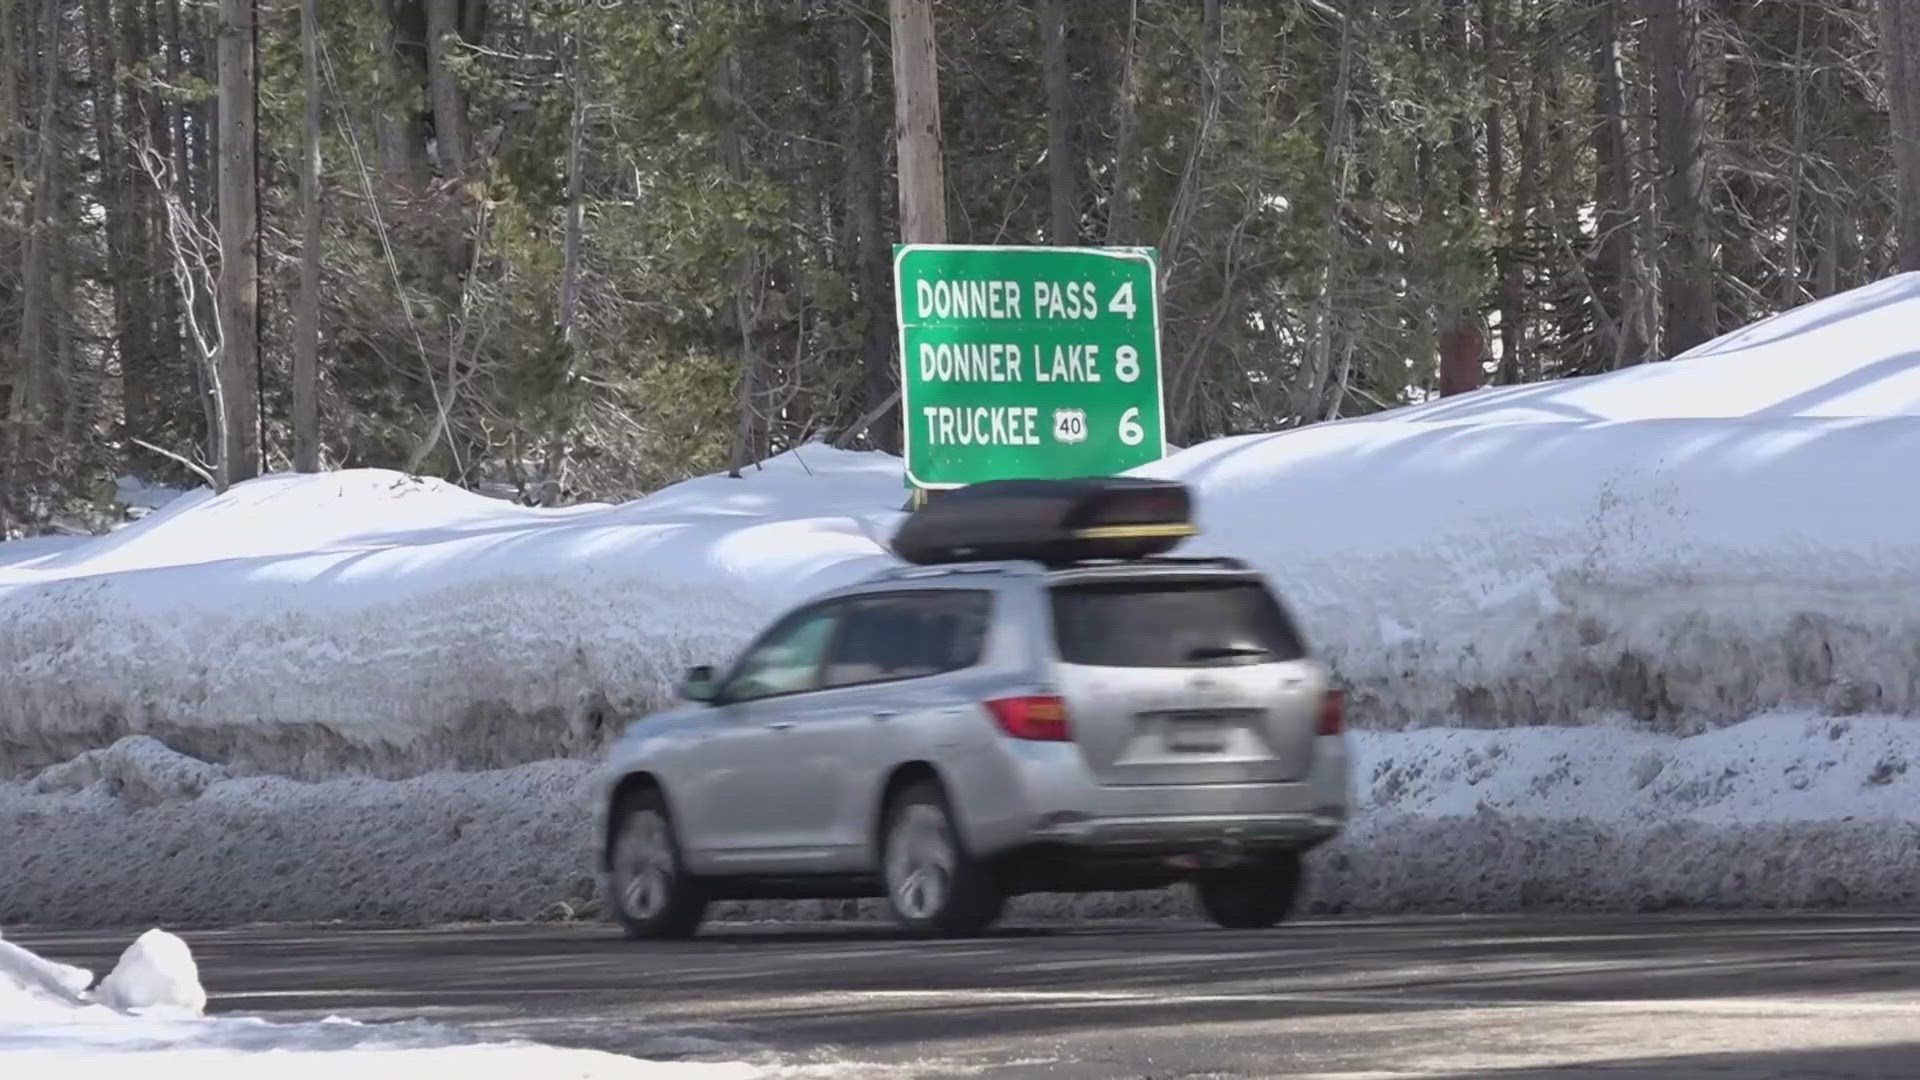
[[1687, 543], [307, 624], [504, 843], [1603, 638], [26, 979], [1685, 572], [146, 1015], [1777, 812]]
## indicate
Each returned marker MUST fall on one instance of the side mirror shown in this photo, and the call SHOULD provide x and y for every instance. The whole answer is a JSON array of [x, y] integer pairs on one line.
[[699, 685]]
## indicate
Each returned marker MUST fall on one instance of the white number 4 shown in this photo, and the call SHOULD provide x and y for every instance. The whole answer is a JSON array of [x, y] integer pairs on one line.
[[1069, 425], [1122, 302]]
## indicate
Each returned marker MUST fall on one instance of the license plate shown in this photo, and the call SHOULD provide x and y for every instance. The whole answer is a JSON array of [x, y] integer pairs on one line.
[[1196, 734]]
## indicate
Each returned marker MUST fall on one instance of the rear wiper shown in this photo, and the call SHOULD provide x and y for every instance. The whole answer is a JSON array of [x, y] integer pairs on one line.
[[1222, 652]]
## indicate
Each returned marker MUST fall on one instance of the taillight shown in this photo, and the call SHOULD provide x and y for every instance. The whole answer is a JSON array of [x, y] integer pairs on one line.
[[1333, 713], [1036, 719]]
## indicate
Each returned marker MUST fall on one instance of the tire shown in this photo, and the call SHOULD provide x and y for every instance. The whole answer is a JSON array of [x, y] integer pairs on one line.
[[935, 888], [648, 888], [1252, 897]]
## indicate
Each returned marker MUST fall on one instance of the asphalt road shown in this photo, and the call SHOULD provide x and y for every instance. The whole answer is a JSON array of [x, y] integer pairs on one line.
[[1801, 997]]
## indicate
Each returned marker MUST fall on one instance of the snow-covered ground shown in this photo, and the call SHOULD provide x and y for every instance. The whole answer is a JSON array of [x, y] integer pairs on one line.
[[1565, 612], [146, 1018], [1775, 812]]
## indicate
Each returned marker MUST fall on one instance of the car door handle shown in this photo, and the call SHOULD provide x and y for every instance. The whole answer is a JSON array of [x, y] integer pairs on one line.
[[779, 725], [885, 714]]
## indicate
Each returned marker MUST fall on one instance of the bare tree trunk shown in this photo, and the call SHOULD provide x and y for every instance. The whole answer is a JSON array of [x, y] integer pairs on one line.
[[32, 388], [1324, 320], [130, 339], [1791, 291], [238, 298], [1616, 276], [306, 345], [1490, 30], [1517, 210], [203, 188], [725, 88], [9, 91], [872, 269], [183, 308], [1126, 137], [1524, 364], [142, 359], [1900, 52], [1826, 274], [553, 475], [1186, 196], [73, 403], [1063, 193], [1462, 344], [443, 86], [1465, 150], [1505, 269], [1686, 253], [916, 92], [401, 130]]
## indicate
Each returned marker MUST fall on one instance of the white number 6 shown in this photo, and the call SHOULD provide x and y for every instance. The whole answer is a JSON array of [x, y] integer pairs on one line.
[[1131, 432]]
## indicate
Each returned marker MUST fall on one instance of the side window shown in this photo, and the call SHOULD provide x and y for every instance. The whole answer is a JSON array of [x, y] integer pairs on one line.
[[787, 659], [910, 636]]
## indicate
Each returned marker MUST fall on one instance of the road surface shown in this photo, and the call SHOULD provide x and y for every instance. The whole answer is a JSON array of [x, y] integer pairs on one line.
[[1521, 999]]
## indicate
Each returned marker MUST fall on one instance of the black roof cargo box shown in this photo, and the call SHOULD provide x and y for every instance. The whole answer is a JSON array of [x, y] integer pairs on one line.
[[1049, 521]]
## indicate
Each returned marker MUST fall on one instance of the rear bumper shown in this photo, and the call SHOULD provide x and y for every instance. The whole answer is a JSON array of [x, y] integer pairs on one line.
[[1053, 802], [1196, 834]]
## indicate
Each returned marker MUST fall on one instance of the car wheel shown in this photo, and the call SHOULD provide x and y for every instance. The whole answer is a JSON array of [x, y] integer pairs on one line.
[[1251, 897], [935, 887], [649, 890]]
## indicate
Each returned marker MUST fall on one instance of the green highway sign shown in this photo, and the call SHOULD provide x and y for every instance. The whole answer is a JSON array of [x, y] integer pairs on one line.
[[1028, 362]]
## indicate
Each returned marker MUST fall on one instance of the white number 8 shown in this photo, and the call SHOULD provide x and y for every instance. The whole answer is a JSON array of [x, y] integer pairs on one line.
[[1131, 432], [1128, 363]]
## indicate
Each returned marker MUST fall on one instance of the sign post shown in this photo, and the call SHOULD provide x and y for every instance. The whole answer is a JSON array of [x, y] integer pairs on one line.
[[1027, 362]]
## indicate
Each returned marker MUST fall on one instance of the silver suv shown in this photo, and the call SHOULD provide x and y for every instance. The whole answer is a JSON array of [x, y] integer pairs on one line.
[[951, 734]]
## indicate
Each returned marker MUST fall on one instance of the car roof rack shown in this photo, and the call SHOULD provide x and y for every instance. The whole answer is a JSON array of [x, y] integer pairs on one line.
[[1212, 562], [912, 572], [1051, 522]]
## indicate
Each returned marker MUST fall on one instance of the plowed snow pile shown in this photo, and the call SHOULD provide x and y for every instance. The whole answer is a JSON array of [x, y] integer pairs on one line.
[[305, 624], [145, 1018], [1776, 812], [1586, 572]]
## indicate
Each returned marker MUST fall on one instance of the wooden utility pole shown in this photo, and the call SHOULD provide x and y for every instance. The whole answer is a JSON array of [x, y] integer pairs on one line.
[[306, 346], [238, 300], [916, 117], [916, 96]]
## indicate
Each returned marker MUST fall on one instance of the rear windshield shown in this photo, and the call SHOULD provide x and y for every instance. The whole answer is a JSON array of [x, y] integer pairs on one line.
[[1172, 624]]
